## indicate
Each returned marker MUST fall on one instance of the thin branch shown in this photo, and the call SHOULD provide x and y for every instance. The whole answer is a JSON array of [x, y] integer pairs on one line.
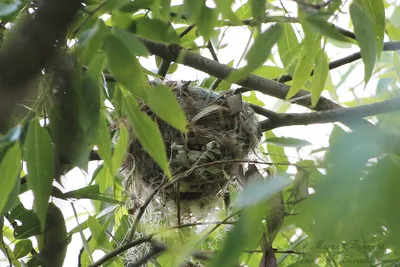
[[341, 115], [121, 249], [165, 64], [200, 223], [155, 251], [388, 46]]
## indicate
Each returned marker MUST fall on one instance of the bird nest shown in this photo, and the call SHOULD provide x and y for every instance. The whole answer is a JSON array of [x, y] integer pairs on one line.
[[222, 131]]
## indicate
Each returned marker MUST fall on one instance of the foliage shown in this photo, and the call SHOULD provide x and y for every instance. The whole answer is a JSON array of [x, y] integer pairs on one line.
[[331, 205]]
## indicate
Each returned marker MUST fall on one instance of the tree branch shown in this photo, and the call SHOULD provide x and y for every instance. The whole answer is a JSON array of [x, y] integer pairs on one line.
[[30, 46], [341, 115], [121, 249], [269, 87]]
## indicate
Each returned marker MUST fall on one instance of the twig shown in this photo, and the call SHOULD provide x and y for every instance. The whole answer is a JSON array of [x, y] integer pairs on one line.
[[341, 115], [200, 223], [121, 249]]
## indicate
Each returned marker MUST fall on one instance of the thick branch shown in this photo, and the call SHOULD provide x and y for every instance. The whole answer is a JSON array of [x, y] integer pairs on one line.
[[338, 115], [31, 44], [269, 87]]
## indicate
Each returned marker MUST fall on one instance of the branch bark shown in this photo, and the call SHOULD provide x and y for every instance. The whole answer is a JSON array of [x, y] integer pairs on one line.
[[32, 44], [276, 120]]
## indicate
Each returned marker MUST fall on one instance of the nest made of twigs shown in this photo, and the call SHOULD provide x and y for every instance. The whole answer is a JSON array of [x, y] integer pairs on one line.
[[222, 131]]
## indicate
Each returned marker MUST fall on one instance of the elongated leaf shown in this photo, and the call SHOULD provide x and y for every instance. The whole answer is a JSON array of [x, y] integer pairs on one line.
[[90, 42], [146, 131], [39, 156], [259, 51], [322, 26], [321, 70], [376, 9], [204, 17], [287, 44], [104, 143], [79, 193], [155, 29], [224, 6], [99, 234], [258, 9], [90, 95], [365, 37], [124, 66], [120, 148], [136, 47], [164, 104], [301, 74], [22, 248], [287, 142], [10, 167]]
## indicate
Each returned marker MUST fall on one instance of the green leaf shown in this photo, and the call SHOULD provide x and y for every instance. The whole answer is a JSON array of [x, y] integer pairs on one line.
[[7, 9], [258, 9], [136, 47], [376, 9], [8, 252], [269, 72], [365, 37], [124, 66], [160, 9], [319, 24], [120, 149], [155, 29], [136, 5], [287, 44], [99, 234], [204, 17], [162, 101], [321, 70], [287, 142], [224, 7], [90, 95], [22, 248], [10, 167], [104, 143], [82, 192], [28, 223], [39, 156], [301, 74], [146, 131], [90, 42], [259, 51]]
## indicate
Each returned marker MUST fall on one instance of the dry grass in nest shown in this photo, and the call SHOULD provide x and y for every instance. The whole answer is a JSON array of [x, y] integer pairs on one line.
[[222, 132]]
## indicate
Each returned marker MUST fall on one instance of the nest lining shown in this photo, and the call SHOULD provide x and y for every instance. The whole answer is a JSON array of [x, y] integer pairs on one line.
[[222, 131]]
